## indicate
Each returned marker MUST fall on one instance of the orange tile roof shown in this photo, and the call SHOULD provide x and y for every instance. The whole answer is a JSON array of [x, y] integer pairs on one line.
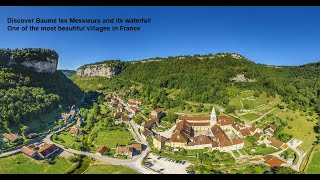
[[103, 149], [179, 136], [125, 118], [245, 132], [74, 130], [253, 128], [184, 126], [194, 118], [237, 141], [202, 139], [224, 120], [215, 144], [257, 135], [273, 161], [11, 137], [28, 151], [237, 126], [275, 142], [200, 124], [136, 146], [48, 149], [123, 149], [267, 157]]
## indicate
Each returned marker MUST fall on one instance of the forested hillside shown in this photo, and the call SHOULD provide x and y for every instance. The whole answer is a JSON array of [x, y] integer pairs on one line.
[[26, 94], [208, 79]]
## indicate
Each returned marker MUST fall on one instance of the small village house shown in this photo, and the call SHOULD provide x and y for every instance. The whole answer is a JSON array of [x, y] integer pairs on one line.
[[159, 141], [79, 122], [136, 146], [273, 161], [102, 150], [29, 150], [134, 110], [146, 134], [47, 150], [11, 137], [157, 113], [74, 131], [276, 143], [124, 150]]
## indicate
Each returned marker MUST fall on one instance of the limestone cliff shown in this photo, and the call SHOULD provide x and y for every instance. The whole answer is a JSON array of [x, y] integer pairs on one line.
[[42, 60], [99, 70], [48, 66]]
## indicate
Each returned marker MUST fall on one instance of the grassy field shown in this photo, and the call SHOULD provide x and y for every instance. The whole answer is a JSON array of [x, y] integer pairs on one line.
[[66, 139], [265, 151], [251, 116], [314, 165], [109, 169], [22, 164], [261, 104], [254, 102], [111, 138], [236, 100], [301, 129]]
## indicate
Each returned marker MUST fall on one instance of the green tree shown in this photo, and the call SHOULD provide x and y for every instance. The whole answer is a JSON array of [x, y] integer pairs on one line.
[[230, 109]]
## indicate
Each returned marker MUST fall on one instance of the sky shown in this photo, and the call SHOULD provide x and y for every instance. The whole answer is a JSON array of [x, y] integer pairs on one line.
[[269, 35]]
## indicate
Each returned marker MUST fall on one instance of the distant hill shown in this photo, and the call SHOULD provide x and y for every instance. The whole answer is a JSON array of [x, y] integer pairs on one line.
[[68, 73], [316, 64], [215, 78]]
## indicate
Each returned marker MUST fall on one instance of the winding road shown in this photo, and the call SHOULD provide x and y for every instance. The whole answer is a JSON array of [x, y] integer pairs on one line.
[[135, 163]]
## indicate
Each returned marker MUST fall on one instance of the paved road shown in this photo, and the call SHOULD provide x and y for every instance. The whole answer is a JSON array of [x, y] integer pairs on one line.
[[300, 156], [134, 163], [167, 133], [17, 149]]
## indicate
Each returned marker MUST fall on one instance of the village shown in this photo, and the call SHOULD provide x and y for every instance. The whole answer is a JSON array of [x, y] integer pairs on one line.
[[211, 132]]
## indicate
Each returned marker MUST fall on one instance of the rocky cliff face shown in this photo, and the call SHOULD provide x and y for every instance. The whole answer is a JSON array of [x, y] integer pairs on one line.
[[49, 66], [98, 70]]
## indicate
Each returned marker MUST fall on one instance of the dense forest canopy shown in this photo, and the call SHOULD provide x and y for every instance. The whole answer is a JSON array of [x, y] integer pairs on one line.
[[207, 78]]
